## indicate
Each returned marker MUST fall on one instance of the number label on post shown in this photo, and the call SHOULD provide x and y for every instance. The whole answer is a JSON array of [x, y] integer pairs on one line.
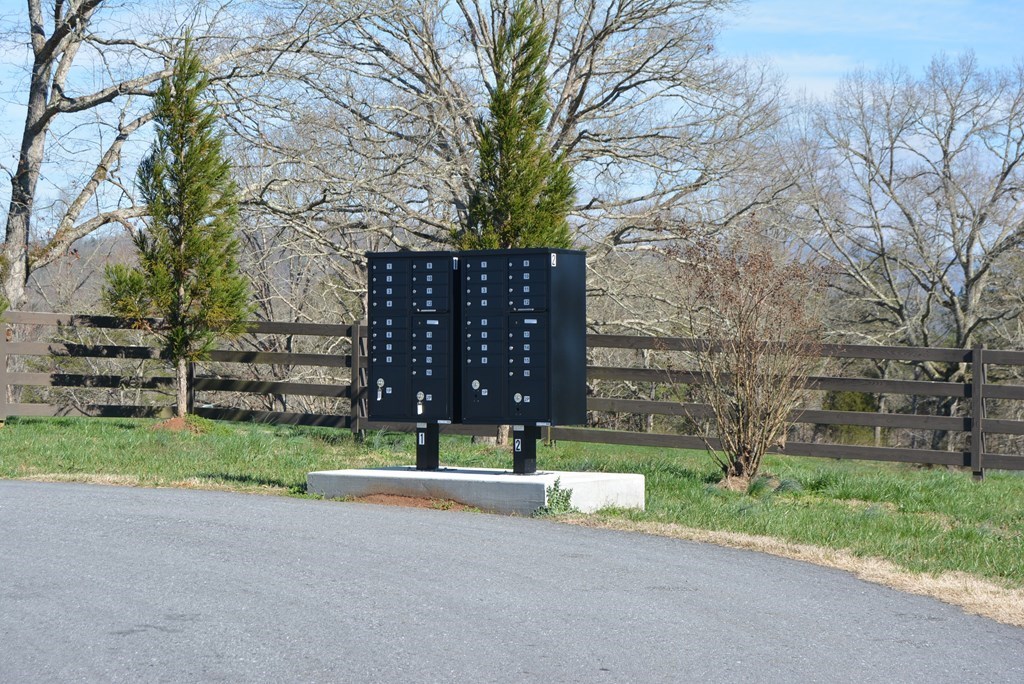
[[518, 445], [422, 437]]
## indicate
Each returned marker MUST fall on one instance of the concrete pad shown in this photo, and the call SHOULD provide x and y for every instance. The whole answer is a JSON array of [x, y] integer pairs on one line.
[[488, 489]]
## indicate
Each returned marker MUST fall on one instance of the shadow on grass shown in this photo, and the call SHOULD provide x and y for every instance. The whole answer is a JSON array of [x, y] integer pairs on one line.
[[292, 488], [328, 437], [681, 472], [77, 421]]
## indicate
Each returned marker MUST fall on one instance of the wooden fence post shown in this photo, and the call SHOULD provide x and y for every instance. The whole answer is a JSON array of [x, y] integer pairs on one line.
[[356, 382], [190, 402], [977, 410], [5, 332]]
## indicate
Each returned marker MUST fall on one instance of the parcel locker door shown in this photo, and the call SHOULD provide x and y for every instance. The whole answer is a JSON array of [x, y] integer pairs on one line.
[[431, 394], [388, 393], [481, 389], [528, 401]]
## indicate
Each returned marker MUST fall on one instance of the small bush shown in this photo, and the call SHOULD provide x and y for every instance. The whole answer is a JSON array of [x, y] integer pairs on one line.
[[559, 501]]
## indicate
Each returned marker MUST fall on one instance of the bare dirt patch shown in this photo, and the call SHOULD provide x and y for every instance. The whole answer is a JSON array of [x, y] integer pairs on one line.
[[973, 594], [413, 502], [175, 424]]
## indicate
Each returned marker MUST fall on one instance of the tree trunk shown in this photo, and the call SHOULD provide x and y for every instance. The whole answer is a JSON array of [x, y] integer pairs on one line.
[[24, 181], [181, 410], [502, 437], [15, 252]]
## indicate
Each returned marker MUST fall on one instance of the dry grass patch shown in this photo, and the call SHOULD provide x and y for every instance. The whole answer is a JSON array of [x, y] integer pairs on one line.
[[974, 595], [85, 478], [208, 485]]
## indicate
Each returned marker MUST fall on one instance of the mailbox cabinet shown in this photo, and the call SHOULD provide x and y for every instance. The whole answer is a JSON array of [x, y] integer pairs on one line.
[[411, 367], [523, 337], [482, 337]]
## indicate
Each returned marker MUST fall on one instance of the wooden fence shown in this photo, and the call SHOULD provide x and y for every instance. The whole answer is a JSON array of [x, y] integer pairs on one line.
[[347, 391]]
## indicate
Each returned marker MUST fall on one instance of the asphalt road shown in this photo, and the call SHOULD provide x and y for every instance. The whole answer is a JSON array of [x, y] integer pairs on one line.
[[106, 584]]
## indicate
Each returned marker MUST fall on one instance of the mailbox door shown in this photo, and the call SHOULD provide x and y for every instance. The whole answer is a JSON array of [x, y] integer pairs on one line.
[[388, 392]]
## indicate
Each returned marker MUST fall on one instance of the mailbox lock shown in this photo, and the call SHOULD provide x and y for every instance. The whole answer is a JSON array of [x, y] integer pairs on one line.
[[518, 398], [380, 388], [476, 384], [420, 396]]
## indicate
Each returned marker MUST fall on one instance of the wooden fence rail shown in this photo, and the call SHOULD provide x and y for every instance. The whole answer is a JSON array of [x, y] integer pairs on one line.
[[975, 390]]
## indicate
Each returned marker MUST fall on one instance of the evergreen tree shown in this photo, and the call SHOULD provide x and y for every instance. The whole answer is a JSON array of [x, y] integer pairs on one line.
[[524, 191], [187, 278]]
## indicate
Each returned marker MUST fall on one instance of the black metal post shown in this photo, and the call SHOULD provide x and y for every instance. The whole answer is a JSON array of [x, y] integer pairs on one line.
[[427, 450], [524, 449]]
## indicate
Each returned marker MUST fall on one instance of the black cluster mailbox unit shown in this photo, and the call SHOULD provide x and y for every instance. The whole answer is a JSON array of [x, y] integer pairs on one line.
[[412, 303], [478, 337]]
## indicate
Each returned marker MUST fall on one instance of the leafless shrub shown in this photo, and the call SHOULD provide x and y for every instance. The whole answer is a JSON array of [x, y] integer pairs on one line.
[[756, 316]]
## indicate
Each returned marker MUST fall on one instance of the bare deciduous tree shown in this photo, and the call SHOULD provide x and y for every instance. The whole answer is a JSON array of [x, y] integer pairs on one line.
[[918, 197], [916, 193], [379, 149], [91, 69]]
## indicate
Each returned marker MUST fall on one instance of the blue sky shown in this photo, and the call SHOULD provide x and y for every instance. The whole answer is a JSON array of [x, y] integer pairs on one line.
[[815, 42]]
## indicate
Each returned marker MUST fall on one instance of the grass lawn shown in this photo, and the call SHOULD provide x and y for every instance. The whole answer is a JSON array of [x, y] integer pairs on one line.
[[924, 520]]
